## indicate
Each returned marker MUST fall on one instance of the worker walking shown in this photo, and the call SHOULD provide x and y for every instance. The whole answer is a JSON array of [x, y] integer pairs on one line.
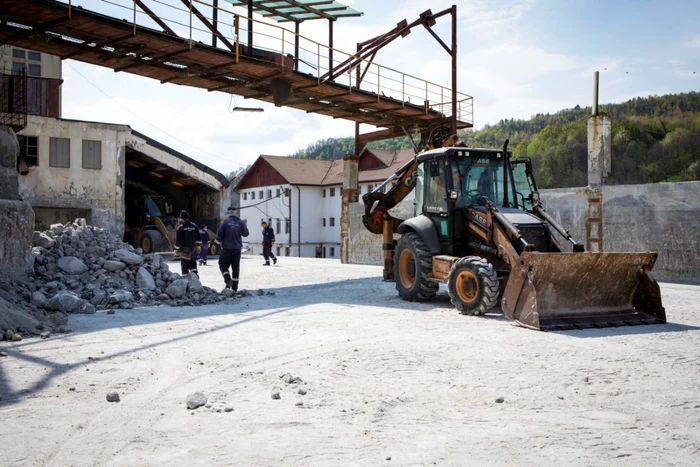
[[204, 236], [268, 235], [187, 244], [229, 237]]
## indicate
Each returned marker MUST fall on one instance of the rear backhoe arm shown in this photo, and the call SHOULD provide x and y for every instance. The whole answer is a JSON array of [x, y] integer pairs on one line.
[[378, 204]]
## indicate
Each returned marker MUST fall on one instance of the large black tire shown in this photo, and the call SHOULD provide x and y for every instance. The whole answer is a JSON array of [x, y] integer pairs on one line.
[[149, 241], [473, 285], [412, 264]]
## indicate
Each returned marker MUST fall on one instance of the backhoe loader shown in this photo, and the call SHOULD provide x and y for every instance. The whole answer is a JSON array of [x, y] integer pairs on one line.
[[480, 227]]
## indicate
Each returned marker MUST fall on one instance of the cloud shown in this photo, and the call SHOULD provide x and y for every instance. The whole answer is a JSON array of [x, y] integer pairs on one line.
[[695, 42]]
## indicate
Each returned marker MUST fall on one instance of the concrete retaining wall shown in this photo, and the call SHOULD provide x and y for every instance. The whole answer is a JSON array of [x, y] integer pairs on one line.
[[662, 216]]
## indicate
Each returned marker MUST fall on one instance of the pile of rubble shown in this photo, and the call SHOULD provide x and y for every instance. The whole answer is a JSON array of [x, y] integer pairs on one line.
[[79, 268]]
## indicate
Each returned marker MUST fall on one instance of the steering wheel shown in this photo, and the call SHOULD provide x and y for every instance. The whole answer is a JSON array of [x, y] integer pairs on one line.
[[474, 196]]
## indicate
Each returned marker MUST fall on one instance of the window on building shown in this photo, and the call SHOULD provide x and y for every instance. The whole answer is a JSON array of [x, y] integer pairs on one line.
[[369, 188], [325, 250], [34, 70], [332, 192], [332, 221], [286, 251], [59, 152], [324, 192], [35, 56], [332, 252], [19, 53], [278, 192], [269, 193], [286, 192], [245, 196], [278, 250], [252, 195], [359, 190], [262, 194], [323, 221], [286, 226], [279, 226], [18, 67], [29, 148], [92, 154]]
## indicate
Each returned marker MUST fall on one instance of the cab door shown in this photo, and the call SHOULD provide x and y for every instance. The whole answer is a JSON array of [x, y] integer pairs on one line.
[[525, 187], [435, 197]]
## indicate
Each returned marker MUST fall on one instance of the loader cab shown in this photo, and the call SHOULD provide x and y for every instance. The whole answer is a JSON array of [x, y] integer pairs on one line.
[[450, 180]]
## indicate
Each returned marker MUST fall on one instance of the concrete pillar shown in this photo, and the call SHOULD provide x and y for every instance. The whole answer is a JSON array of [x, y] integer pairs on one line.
[[16, 216], [350, 188], [599, 162]]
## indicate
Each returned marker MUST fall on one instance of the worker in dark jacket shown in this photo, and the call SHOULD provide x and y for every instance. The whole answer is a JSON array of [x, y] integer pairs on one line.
[[268, 242], [187, 244], [204, 235], [229, 237]]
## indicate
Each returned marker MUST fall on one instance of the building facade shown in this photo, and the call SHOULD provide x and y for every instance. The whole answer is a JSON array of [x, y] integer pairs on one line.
[[301, 200]]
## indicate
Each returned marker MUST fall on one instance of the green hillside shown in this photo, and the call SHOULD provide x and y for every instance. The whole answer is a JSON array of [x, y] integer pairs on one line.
[[655, 139]]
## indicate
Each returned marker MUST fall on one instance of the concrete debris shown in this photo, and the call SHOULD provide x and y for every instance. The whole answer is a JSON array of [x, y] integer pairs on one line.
[[196, 400], [3, 354], [145, 280], [79, 268], [126, 256], [112, 397], [228, 409], [177, 289], [45, 335], [500, 400], [71, 265], [261, 292], [299, 404], [302, 391], [289, 379], [228, 293], [275, 394]]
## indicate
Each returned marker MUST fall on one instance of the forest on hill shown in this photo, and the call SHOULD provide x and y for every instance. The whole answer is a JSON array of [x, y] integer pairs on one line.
[[655, 139]]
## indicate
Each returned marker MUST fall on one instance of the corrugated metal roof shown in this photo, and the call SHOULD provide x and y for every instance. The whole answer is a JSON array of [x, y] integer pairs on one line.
[[298, 10]]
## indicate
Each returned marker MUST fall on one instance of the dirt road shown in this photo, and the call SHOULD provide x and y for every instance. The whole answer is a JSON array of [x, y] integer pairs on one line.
[[388, 383]]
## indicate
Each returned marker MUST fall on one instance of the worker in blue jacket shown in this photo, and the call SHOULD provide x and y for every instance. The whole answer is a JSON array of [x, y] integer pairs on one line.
[[268, 235], [229, 236]]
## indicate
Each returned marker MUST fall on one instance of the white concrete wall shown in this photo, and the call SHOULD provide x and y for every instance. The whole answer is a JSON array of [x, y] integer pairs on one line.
[[254, 211], [96, 190], [50, 64]]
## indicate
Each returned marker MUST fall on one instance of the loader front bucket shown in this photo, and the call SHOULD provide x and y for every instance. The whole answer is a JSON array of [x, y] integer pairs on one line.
[[557, 291]]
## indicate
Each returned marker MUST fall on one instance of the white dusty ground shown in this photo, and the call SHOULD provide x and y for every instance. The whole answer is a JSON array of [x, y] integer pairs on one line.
[[416, 383]]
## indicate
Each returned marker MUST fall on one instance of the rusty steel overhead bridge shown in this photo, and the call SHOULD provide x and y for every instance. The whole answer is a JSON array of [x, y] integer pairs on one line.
[[274, 64]]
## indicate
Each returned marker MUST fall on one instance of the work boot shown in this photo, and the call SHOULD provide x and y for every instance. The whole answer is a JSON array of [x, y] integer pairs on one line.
[[266, 264], [274, 260]]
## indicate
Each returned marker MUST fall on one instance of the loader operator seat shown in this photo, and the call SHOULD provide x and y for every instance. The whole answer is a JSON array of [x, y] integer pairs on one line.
[[485, 185]]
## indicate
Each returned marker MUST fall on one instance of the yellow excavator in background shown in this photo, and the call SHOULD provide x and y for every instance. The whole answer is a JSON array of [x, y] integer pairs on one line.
[[479, 226]]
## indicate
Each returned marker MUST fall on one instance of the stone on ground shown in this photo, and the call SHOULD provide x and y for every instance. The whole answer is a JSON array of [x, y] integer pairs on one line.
[[196, 400], [177, 289], [145, 280], [125, 256], [72, 265]]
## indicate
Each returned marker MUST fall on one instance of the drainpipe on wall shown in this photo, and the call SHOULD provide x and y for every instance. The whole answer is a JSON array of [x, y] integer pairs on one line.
[[298, 220], [290, 218]]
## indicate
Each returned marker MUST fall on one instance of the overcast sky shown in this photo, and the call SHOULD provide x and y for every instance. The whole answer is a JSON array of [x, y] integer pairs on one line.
[[516, 58]]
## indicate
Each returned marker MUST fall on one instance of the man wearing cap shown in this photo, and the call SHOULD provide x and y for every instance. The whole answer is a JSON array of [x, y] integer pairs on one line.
[[187, 243], [229, 237], [268, 235]]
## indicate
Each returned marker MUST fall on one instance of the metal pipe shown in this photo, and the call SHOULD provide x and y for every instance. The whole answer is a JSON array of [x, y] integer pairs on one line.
[[481, 248], [506, 167], [594, 108], [236, 22], [453, 121], [555, 225]]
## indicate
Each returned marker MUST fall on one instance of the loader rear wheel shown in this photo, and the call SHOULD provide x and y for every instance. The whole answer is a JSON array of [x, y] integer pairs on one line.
[[473, 285], [412, 265]]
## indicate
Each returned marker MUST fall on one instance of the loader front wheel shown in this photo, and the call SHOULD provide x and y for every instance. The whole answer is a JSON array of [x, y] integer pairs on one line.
[[473, 285], [412, 265]]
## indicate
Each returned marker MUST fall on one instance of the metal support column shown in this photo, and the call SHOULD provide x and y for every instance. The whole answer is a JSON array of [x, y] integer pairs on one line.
[[330, 47], [296, 46], [215, 18]]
